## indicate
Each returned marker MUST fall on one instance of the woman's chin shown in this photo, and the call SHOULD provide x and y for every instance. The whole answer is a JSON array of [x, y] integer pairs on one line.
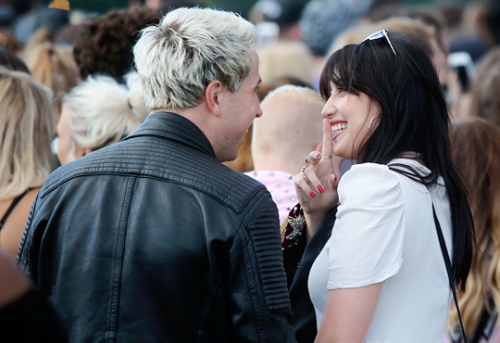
[[341, 153]]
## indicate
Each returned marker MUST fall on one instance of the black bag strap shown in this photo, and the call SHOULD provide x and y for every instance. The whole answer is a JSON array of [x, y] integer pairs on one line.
[[442, 243], [13, 204], [448, 268]]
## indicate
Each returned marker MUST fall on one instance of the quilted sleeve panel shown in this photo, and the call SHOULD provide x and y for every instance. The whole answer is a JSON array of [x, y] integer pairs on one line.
[[266, 243], [258, 297]]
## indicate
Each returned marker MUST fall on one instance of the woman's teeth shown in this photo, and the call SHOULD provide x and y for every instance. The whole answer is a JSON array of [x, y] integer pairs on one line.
[[338, 128]]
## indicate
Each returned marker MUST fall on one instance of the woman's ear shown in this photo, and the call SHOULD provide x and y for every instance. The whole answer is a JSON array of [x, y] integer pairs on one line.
[[212, 97]]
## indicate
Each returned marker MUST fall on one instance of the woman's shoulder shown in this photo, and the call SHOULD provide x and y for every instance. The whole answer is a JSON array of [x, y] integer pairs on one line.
[[32, 193], [24, 205], [368, 168], [369, 182], [369, 174], [16, 222]]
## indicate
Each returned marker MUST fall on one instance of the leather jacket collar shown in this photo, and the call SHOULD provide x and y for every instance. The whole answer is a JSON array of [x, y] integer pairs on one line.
[[172, 126]]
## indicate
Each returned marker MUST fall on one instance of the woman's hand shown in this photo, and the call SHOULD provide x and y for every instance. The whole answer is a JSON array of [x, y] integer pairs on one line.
[[316, 185]]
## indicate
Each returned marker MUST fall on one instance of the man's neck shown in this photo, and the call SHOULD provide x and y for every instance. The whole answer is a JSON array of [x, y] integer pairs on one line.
[[200, 117]]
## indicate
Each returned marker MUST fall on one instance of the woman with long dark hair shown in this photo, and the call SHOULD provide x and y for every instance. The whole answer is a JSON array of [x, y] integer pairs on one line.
[[382, 276]]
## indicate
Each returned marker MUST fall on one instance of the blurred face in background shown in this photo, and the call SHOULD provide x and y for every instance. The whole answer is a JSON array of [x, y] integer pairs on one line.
[[440, 61], [65, 144], [67, 151]]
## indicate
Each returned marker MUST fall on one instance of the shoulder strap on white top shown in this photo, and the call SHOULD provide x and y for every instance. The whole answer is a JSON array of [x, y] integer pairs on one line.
[[442, 244]]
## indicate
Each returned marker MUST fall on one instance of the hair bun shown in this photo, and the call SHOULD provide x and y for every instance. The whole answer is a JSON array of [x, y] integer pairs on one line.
[[135, 99]]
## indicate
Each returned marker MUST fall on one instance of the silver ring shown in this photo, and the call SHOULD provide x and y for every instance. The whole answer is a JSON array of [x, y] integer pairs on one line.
[[303, 169]]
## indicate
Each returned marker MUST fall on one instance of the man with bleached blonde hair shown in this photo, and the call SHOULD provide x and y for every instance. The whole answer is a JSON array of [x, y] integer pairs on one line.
[[152, 239], [289, 130]]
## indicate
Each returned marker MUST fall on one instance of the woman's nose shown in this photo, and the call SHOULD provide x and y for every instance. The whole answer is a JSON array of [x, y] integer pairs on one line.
[[329, 109]]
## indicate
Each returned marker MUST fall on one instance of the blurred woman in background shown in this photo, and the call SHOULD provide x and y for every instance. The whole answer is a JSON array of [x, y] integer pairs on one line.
[[27, 126], [485, 101], [98, 113], [475, 151]]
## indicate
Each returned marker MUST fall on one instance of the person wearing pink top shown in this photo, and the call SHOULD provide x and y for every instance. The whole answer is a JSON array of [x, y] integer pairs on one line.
[[290, 128], [280, 185]]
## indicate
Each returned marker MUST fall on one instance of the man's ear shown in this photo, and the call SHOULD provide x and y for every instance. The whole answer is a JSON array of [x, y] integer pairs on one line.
[[80, 152], [212, 96]]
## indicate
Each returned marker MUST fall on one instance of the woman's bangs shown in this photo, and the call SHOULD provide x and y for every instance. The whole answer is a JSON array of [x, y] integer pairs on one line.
[[338, 71]]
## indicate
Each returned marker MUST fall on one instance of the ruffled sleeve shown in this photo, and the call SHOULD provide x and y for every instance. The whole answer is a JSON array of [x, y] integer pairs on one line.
[[366, 246]]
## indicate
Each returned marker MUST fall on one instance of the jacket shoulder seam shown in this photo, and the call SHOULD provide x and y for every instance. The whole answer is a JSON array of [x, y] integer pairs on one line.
[[238, 209]]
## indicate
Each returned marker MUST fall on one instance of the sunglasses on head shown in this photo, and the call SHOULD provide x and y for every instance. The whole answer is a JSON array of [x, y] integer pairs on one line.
[[378, 35]]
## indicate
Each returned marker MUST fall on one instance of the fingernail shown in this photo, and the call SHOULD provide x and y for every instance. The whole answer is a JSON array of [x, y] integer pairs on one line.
[[335, 178], [312, 194], [321, 189], [317, 155]]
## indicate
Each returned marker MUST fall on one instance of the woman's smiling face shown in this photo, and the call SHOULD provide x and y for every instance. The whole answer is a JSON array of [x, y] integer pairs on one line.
[[350, 116]]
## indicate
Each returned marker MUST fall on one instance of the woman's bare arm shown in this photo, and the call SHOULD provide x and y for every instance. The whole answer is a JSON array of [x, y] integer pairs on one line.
[[13, 283], [348, 314]]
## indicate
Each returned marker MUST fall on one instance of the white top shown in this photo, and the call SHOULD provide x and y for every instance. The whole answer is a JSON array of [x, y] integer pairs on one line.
[[385, 232]]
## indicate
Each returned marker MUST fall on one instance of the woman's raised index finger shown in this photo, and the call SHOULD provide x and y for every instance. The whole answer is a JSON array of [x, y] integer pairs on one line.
[[327, 139]]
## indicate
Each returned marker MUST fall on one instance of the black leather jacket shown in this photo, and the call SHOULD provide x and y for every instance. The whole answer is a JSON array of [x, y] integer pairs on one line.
[[153, 240]]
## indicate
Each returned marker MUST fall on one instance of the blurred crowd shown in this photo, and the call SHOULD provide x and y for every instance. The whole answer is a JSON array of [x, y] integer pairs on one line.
[[68, 87]]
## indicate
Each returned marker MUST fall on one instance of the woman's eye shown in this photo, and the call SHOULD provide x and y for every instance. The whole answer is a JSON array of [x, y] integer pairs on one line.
[[340, 89]]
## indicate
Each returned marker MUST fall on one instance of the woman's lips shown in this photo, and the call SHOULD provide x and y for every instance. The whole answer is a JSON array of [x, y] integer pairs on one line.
[[338, 134], [336, 122], [338, 127]]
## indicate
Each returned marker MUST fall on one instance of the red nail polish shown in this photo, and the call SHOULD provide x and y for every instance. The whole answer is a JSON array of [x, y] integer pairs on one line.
[[317, 155], [335, 179], [321, 189], [312, 194]]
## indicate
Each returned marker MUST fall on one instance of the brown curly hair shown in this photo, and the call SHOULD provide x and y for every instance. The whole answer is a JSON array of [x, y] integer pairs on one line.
[[105, 47]]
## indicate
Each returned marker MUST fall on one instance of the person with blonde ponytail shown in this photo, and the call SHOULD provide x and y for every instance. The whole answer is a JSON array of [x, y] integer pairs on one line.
[[27, 126], [53, 66], [476, 151], [98, 113]]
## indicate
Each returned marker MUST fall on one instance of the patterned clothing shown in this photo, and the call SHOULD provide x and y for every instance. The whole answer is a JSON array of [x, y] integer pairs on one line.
[[281, 187]]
